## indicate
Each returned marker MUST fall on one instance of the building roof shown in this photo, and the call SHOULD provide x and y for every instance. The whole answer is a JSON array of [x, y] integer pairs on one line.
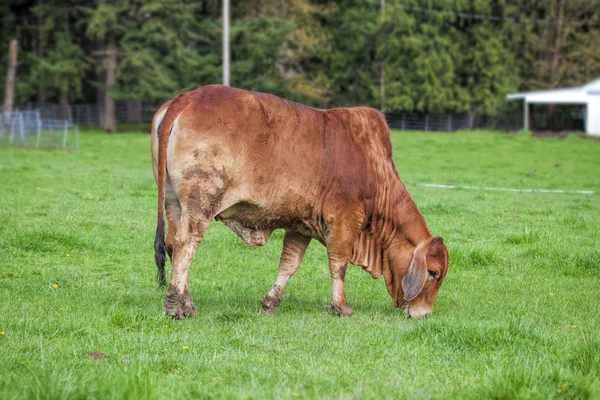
[[564, 96]]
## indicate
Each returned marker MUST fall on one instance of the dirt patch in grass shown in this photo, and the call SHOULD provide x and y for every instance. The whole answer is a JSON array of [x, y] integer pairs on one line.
[[96, 355]]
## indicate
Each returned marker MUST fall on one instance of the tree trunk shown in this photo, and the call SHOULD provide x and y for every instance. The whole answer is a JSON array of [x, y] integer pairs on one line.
[[64, 106], [9, 92], [41, 95], [110, 58], [472, 117], [100, 73], [557, 43]]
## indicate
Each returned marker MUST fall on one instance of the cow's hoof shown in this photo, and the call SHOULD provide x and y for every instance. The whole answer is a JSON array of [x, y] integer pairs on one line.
[[184, 311], [341, 310], [189, 310], [180, 306], [175, 313], [269, 305]]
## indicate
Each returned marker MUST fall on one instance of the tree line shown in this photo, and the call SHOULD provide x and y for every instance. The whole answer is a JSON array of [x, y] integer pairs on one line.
[[439, 56]]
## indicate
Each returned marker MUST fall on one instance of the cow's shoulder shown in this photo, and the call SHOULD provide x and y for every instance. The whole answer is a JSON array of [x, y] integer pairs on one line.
[[376, 125], [366, 125]]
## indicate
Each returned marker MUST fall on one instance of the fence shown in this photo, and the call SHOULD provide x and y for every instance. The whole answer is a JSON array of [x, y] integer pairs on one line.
[[450, 123], [134, 111], [92, 114], [28, 129]]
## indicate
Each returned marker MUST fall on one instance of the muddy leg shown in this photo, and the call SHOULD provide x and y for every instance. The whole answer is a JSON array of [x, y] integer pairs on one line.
[[294, 247], [179, 303]]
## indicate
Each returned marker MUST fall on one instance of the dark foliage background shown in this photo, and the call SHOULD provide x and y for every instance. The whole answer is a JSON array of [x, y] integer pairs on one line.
[[439, 56]]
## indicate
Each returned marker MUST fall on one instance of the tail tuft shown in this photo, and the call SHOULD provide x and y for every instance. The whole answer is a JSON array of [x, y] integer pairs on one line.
[[159, 253]]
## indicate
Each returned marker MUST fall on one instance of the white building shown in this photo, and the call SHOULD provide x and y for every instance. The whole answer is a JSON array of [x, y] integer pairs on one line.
[[587, 96]]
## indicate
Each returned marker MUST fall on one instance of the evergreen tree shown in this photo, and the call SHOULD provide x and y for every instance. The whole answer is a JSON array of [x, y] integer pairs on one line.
[[445, 56], [107, 22], [6, 35], [165, 51], [60, 69]]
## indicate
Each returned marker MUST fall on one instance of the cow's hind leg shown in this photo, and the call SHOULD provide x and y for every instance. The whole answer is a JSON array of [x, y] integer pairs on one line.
[[201, 192], [179, 303], [294, 247]]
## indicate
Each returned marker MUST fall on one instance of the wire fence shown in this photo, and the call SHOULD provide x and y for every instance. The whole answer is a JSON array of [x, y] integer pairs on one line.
[[50, 126], [92, 114], [452, 122], [28, 129]]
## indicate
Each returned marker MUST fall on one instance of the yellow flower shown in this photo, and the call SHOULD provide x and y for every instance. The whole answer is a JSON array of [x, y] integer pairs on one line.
[[68, 255], [55, 286], [551, 294], [186, 347], [1, 333], [296, 394], [563, 387], [573, 326], [116, 279], [489, 302]]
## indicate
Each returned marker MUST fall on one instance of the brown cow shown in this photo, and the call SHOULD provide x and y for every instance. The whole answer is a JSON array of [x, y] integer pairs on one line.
[[257, 162]]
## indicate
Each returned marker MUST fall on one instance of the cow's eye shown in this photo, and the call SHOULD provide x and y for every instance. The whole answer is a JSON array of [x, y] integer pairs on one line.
[[432, 274]]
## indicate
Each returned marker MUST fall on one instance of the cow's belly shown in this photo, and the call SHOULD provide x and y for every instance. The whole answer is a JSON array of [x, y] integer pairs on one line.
[[254, 224]]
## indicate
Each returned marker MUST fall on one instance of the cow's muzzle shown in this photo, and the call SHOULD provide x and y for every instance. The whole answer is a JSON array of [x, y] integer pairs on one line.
[[417, 312]]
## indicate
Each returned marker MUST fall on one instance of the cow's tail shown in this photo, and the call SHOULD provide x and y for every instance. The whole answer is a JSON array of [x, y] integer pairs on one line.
[[163, 131]]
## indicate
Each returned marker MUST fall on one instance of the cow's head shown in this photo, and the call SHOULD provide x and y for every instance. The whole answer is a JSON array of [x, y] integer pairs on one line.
[[415, 275]]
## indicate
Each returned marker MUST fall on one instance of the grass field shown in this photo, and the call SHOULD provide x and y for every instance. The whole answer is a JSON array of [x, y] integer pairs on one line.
[[518, 315]]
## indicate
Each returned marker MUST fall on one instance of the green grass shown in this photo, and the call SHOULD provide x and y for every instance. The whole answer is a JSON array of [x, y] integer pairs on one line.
[[518, 315]]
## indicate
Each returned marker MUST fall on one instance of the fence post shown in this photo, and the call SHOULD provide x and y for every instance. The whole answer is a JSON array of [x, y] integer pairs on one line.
[[22, 128], [70, 114], [39, 131], [76, 138], [449, 123], [89, 114], [65, 137], [426, 122], [12, 128], [403, 124]]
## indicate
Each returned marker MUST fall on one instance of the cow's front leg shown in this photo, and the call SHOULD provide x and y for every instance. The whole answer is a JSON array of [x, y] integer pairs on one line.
[[294, 247], [179, 303], [339, 305], [340, 241]]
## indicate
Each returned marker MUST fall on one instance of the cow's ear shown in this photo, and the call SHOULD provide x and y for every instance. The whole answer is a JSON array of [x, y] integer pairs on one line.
[[415, 278]]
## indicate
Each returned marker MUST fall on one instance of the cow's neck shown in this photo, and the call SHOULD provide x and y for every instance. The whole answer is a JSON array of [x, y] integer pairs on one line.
[[407, 218], [394, 215]]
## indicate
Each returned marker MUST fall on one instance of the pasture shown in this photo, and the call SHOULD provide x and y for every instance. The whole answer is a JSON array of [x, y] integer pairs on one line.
[[518, 315]]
